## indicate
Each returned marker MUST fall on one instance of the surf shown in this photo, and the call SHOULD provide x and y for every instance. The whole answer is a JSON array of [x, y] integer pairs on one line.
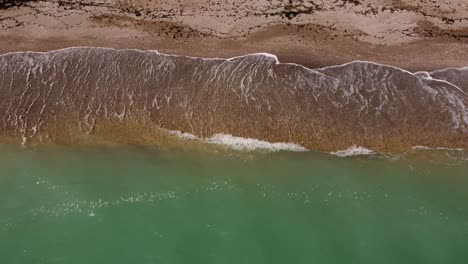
[[133, 96]]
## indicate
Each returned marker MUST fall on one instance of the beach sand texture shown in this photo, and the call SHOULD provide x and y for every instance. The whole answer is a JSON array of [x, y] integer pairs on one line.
[[415, 35]]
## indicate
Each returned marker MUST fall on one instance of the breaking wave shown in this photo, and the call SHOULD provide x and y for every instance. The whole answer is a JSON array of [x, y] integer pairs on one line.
[[353, 151], [240, 143]]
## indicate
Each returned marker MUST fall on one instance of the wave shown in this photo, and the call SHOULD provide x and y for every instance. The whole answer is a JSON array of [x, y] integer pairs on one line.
[[240, 143], [353, 151], [130, 95], [455, 76], [437, 148]]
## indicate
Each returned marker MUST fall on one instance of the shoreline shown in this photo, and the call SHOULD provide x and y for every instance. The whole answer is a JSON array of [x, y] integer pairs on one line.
[[126, 95], [403, 34], [322, 95], [414, 57], [266, 54], [177, 144]]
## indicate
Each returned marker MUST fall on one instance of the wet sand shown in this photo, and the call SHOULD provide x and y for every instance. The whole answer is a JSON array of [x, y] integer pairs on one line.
[[413, 36]]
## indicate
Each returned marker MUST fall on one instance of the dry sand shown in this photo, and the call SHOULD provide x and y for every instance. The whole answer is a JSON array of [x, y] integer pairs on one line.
[[415, 35]]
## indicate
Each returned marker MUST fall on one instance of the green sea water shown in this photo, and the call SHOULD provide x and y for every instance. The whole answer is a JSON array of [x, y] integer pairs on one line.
[[125, 204]]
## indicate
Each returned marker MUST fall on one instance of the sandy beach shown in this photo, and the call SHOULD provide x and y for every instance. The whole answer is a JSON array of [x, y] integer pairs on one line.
[[422, 35], [233, 131]]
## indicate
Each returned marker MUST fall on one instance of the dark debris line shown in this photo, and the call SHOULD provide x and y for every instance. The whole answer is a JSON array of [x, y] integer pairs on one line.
[[4, 4]]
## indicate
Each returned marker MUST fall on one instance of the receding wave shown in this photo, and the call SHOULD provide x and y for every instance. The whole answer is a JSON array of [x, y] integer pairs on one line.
[[130, 96]]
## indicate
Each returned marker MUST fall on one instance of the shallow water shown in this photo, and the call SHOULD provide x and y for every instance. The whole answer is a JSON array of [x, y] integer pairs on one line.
[[126, 204], [131, 96]]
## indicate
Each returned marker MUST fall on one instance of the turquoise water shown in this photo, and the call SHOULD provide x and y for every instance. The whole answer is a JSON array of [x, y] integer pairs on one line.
[[133, 205]]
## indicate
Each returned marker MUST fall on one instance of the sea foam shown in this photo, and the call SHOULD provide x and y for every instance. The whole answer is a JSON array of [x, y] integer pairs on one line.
[[250, 144], [240, 143], [183, 135], [353, 151], [436, 148]]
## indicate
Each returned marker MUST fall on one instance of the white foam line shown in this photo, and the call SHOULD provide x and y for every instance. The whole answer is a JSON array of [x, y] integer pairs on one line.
[[448, 69], [74, 48], [384, 65], [250, 144], [364, 62], [182, 135], [428, 76], [436, 148], [451, 68], [143, 51], [354, 151], [240, 143], [424, 74], [421, 73], [389, 66], [265, 54]]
